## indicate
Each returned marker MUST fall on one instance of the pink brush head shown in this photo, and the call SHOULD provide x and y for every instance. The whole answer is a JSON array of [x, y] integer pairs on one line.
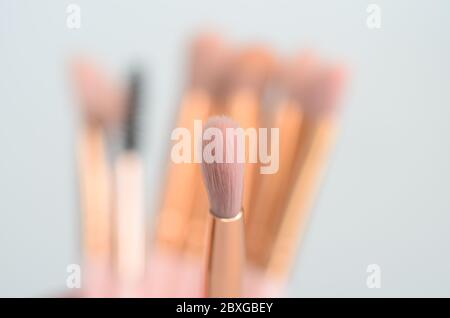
[[251, 67], [298, 72], [209, 57], [325, 90], [102, 99], [316, 86], [224, 179]]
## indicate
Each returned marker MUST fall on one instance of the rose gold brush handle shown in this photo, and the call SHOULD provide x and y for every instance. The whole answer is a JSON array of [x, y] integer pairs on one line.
[[291, 229], [226, 257], [96, 208]]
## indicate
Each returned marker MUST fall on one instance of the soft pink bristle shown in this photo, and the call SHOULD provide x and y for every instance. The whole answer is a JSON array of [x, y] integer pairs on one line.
[[299, 71], [101, 97], [223, 180], [209, 58], [325, 90]]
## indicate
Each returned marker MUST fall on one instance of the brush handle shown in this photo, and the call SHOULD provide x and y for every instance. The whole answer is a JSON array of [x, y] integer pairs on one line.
[[130, 219], [226, 258], [95, 195], [291, 230]]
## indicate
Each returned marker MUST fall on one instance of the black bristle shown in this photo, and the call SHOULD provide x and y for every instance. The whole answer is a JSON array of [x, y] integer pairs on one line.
[[134, 109]]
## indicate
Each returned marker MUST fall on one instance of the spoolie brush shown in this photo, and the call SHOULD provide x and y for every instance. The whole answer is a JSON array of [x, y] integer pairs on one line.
[[132, 122], [130, 222], [224, 184]]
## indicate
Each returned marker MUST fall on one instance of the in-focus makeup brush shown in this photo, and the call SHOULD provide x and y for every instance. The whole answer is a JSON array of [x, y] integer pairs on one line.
[[101, 102], [191, 279], [130, 216], [318, 132], [224, 185]]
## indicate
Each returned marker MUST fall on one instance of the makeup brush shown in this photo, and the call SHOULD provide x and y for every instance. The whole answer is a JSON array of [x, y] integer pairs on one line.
[[252, 69], [224, 185], [101, 101], [101, 97], [318, 133], [130, 220], [273, 189], [191, 280], [180, 228], [207, 55]]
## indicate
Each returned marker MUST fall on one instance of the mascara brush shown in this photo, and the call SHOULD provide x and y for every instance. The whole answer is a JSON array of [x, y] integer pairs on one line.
[[130, 216]]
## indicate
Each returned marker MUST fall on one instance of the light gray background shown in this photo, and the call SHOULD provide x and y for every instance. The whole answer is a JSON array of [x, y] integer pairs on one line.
[[385, 199]]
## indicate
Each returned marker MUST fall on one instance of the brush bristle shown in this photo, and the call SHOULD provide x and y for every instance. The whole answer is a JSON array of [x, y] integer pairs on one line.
[[209, 56], [325, 90], [134, 110], [223, 180], [253, 66], [102, 98], [298, 72]]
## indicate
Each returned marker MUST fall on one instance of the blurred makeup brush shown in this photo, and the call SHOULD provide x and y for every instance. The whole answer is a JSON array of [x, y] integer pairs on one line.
[[130, 216], [206, 63], [318, 132], [224, 184], [101, 97], [102, 102], [194, 252], [179, 198], [273, 189], [253, 66]]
